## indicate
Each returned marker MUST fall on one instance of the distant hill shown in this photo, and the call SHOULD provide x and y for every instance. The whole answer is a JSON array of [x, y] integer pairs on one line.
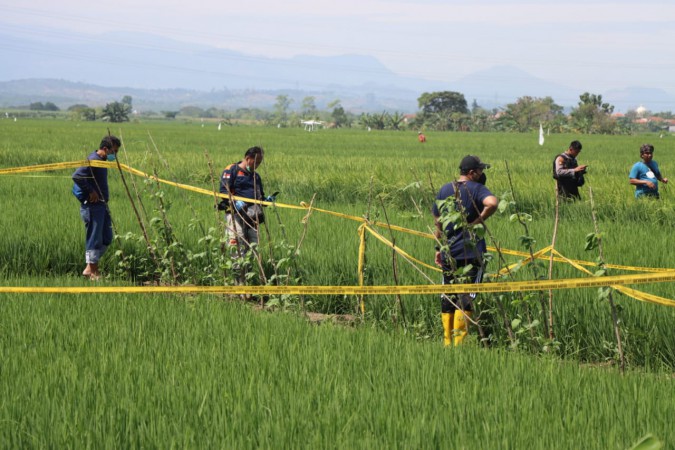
[[163, 74], [500, 85], [67, 93]]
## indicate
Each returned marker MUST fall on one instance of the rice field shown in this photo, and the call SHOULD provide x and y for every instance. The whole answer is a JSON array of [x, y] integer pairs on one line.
[[121, 370]]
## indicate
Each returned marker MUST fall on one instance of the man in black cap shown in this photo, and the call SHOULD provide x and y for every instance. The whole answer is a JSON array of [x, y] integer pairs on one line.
[[461, 247]]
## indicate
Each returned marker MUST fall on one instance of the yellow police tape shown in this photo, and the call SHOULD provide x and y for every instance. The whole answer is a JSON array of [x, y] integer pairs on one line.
[[616, 282], [533, 285], [302, 206], [398, 249], [638, 295]]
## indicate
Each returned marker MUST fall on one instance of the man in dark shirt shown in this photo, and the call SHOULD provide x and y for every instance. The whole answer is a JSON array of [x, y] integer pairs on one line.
[[469, 196], [91, 189], [568, 173], [242, 218]]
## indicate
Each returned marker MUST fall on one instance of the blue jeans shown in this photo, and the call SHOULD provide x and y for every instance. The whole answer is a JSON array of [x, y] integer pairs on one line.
[[98, 227]]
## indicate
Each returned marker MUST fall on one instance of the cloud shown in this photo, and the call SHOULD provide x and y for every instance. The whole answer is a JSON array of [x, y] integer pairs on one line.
[[373, 11]]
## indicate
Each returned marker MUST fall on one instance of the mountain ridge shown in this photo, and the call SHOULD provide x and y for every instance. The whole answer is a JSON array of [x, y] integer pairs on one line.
[[166, 74]]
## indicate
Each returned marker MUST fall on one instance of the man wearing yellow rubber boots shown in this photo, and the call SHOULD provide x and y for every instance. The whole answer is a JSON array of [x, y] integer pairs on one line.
[[461, 254]]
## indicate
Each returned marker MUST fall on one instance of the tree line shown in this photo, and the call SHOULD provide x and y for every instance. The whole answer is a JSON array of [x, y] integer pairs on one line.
[[449, 111], [438, 111]]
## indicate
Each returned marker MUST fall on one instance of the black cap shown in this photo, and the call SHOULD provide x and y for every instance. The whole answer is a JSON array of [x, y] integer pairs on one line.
[[471, 162]]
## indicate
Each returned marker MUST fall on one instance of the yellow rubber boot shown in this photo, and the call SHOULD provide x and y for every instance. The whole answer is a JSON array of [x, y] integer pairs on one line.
[[461, 326], [446, 319]]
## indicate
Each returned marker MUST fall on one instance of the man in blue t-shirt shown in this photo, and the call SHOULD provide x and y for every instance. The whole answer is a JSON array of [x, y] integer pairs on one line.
[[645, 175], [468, 196]]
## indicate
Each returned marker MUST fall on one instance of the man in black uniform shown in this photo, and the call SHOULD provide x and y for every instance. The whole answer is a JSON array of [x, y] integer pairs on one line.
[[568, 173]]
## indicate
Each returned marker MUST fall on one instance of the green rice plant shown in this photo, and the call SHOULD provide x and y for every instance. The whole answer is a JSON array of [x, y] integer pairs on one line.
[[164, 371], [357, 173]]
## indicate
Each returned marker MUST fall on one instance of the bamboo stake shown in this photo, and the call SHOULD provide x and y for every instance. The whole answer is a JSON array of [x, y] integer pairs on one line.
[[220, 223], [362, 257], [615, 315], [394, 255], [138, 216], [534, 267], [551, 335], [305, 226]]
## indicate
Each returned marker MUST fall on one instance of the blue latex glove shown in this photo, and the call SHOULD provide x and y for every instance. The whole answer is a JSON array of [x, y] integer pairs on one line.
[[239, 205], [270, 198]]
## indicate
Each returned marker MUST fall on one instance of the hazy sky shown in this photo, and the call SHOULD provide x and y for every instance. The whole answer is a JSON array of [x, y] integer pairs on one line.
[[590, 45]]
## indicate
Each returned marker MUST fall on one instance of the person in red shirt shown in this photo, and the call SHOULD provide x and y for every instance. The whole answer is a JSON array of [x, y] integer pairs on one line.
[[422, 138]]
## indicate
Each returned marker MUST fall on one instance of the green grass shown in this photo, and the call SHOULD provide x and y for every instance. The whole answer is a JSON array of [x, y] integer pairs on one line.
[[116, 371]]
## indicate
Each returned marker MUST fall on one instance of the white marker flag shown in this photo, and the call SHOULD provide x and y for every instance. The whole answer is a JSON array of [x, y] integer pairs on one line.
[[541, 135]]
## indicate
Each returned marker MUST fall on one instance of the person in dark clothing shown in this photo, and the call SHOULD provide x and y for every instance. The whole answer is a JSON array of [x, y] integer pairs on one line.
[[243, 218], [476, 203], [568, 173], [90, 187]]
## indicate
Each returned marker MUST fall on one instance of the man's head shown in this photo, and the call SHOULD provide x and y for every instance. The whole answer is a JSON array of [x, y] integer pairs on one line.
[[647, 152], [575, 148], [110, 144], [472, 167], [254, 157]]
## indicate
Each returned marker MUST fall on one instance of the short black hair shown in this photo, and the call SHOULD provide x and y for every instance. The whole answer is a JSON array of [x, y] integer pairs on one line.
[[253, 152], [109, 142], [575, 145], [646, 148]]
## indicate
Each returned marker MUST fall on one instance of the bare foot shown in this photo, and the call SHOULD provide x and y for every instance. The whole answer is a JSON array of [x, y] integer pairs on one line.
[[90, 269]]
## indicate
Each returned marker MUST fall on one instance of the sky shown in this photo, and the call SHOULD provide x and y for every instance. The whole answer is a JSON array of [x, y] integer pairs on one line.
[[587, 45]]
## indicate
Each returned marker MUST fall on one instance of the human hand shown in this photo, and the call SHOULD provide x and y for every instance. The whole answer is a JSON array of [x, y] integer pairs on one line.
[[581, 169], [438, 259], [272, 198], [649, 184], [93, 197], [239, 205], [665, 180]]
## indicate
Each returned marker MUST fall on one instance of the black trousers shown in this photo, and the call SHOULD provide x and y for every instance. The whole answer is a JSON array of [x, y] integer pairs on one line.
[[452, 302]]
